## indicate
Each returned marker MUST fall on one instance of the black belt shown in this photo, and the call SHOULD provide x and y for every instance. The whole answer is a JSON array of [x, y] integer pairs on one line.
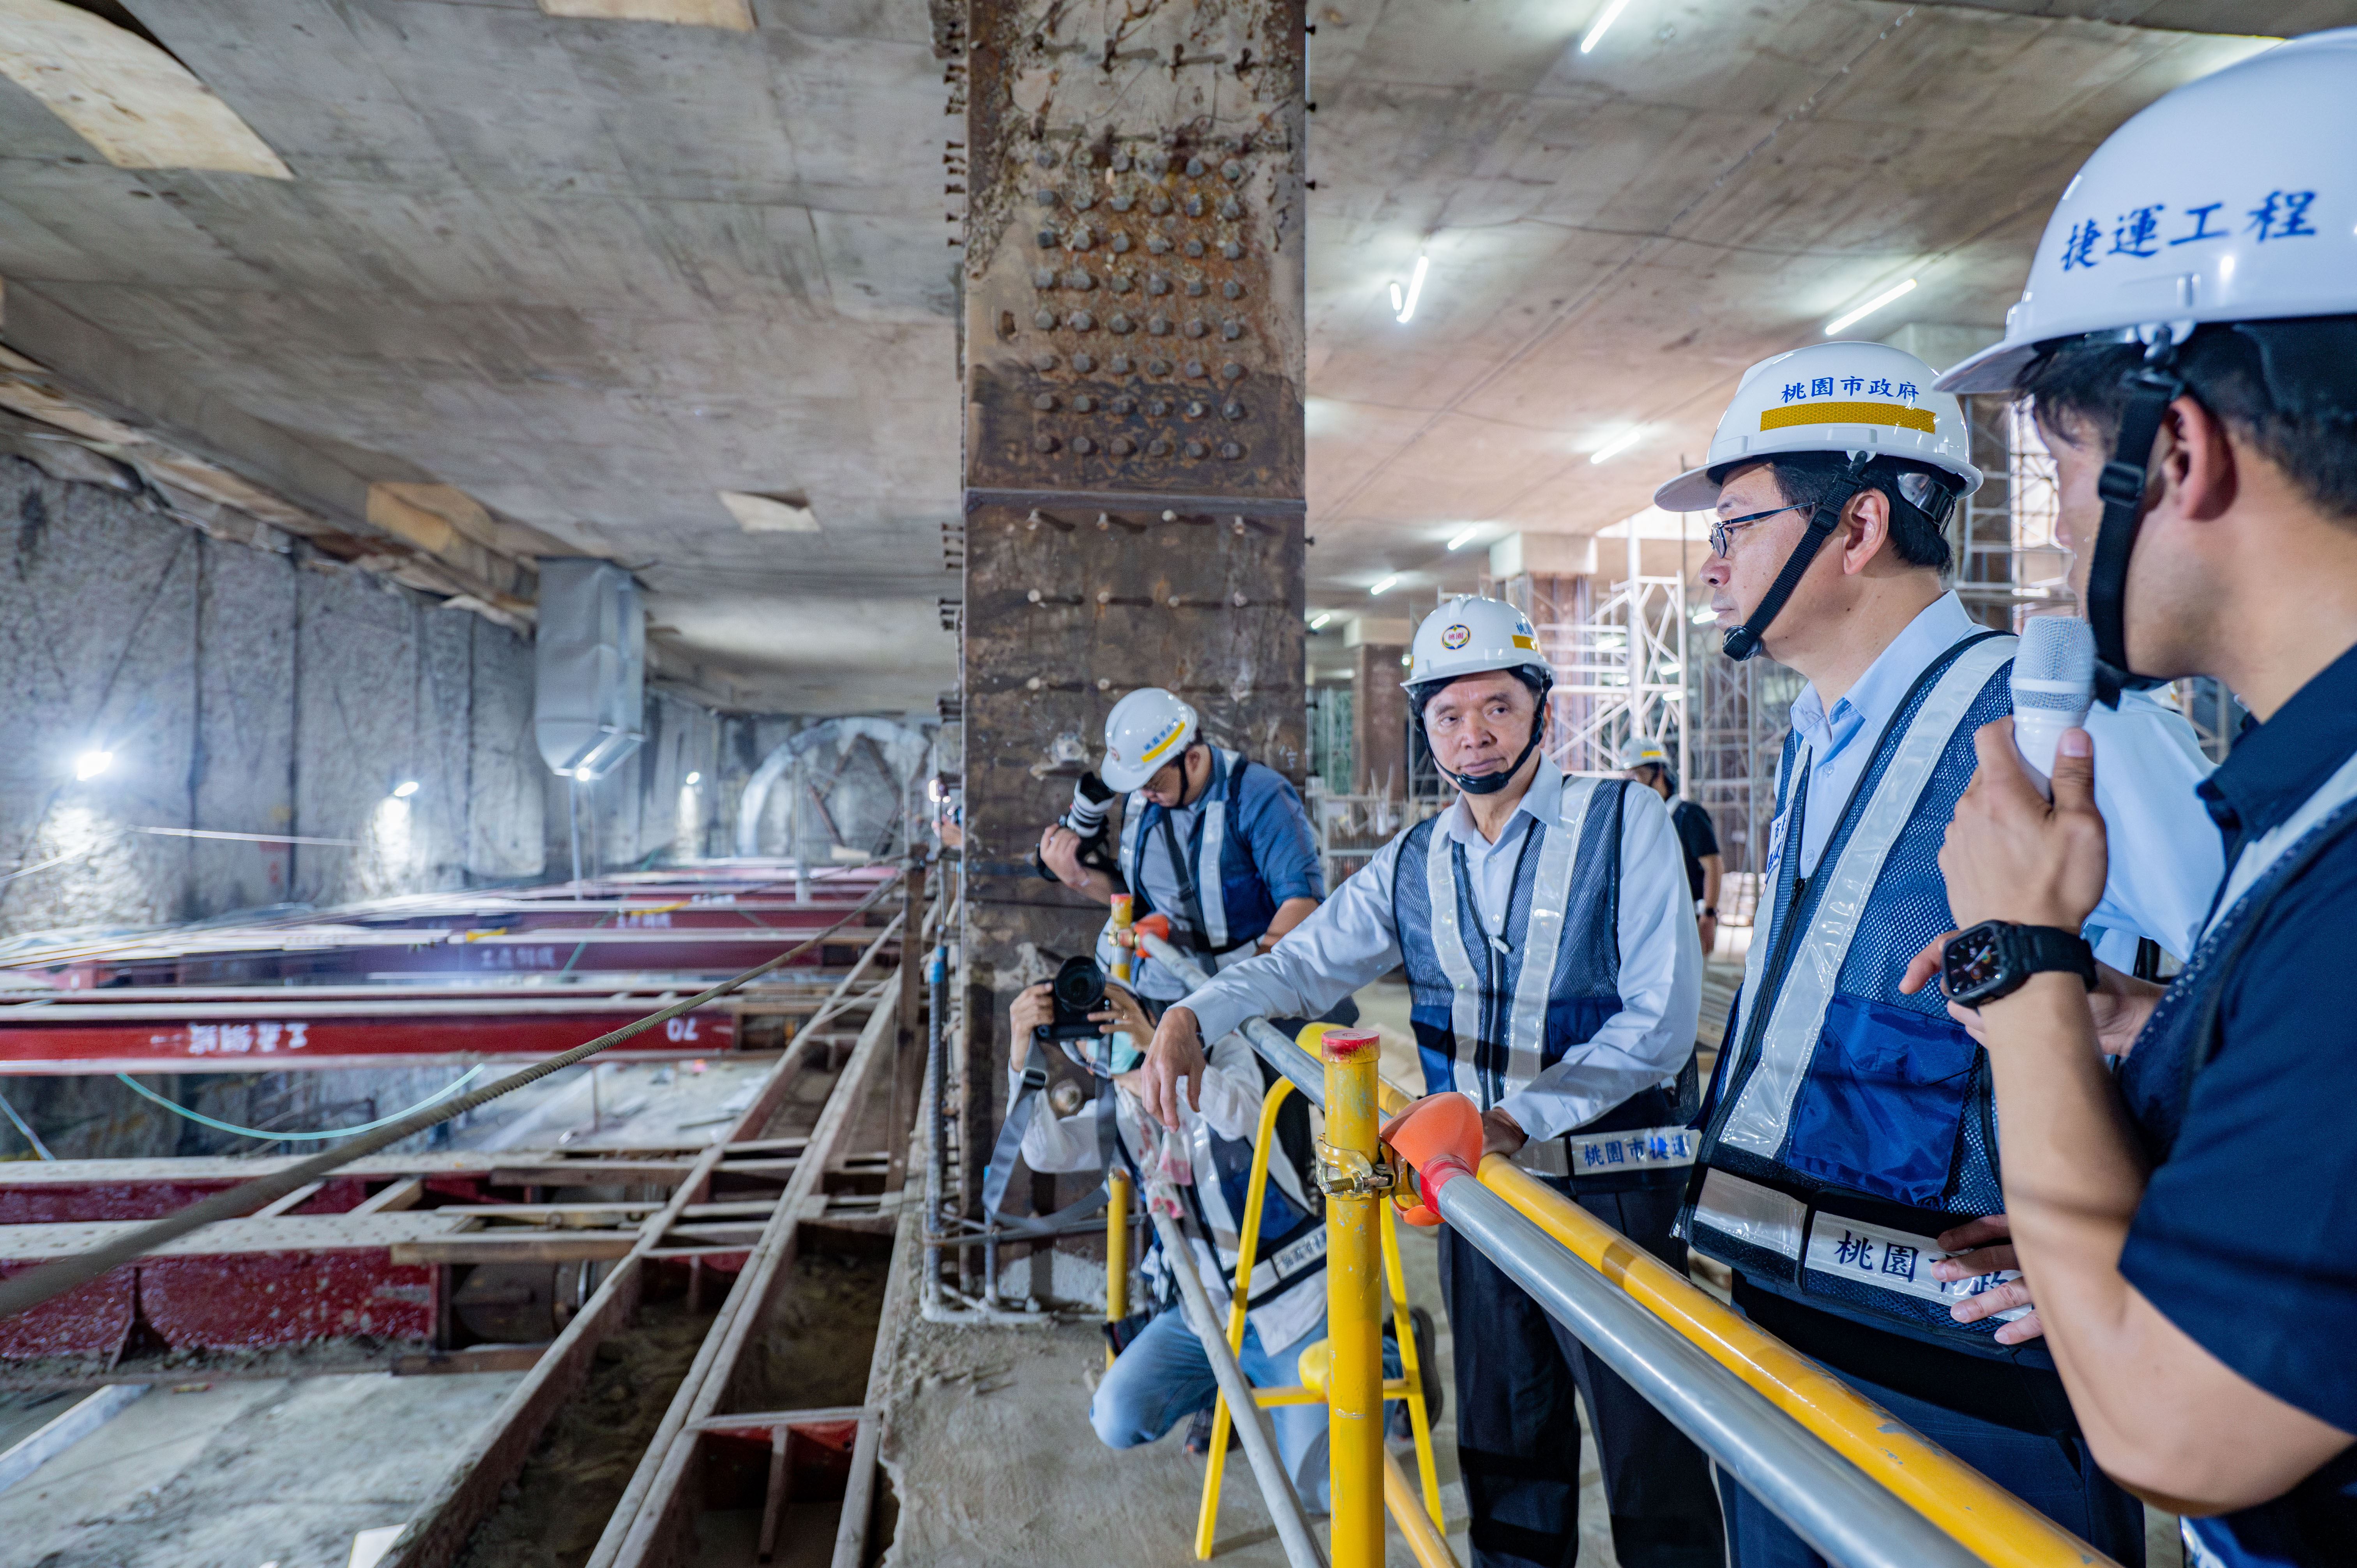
[[2006, 1393]]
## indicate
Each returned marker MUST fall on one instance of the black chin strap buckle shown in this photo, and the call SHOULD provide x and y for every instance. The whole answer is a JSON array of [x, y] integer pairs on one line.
[[2121, 486]]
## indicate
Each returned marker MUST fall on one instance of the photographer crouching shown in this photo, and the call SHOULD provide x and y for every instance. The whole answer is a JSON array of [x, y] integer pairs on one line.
[[1201, 1174]]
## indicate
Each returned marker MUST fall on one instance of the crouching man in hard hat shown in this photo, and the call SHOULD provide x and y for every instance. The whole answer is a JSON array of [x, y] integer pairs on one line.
[[1556, 978], [1217, 844], [1849, 1145], [1200, 1173]]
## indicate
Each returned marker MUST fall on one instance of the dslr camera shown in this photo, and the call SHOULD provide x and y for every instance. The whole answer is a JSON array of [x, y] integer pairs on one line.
[[1078, 990], [1086, 816]]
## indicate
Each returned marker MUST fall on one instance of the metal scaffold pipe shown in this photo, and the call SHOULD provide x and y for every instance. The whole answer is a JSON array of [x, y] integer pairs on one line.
[[1252, 1423]]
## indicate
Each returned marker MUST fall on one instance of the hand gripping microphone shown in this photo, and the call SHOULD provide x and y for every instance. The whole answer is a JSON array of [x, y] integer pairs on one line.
[[2053, 685]]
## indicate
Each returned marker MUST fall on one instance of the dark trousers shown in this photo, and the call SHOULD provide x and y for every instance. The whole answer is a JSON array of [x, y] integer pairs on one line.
[[2055, 1475], [1518, 1428]]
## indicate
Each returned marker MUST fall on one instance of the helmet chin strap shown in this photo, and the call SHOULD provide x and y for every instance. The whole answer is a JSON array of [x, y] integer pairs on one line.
[[1491, 783], [1743, 641], [2153, 386]]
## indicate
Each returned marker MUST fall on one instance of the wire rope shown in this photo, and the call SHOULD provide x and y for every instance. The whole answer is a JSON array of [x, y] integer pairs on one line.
[[177, 1109]]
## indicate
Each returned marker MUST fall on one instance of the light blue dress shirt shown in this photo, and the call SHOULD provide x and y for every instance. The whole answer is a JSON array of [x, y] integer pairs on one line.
[[1351, 939], [2165, 860]]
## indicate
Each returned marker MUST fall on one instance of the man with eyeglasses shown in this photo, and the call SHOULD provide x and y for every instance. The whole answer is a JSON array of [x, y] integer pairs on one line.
[[1849, 1137]]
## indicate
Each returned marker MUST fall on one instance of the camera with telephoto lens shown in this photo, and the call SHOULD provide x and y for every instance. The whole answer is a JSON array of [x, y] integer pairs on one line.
[[1086, 816]]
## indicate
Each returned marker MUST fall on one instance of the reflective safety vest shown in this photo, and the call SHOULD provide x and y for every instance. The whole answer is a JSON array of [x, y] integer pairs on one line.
[[1848, 1124], [1224, 908], [1491, 1015]]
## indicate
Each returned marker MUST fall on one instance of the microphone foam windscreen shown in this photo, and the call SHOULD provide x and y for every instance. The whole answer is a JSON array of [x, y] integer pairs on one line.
[[2054, 667]]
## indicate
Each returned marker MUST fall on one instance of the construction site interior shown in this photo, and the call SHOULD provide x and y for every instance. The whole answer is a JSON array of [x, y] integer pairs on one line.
[[542, 523]]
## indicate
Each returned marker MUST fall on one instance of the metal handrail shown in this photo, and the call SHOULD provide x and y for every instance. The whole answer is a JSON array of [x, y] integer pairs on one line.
[[1747, 1388]]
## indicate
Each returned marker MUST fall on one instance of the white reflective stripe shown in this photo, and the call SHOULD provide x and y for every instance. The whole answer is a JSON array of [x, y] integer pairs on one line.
[[1894, 1261], [1763, 917], [1448, 942], [2262, 852], [1763, 1112], [1757, 1216], [1309, 1250], [1639, 1148], [1227, 1230], [1210, 888], [1542, 936]]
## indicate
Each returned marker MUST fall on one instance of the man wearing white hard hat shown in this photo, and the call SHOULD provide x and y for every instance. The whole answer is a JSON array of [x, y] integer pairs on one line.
[[2188, 342], [1648, 762], [1847, 1141], [1555, 977], [1217, 844]]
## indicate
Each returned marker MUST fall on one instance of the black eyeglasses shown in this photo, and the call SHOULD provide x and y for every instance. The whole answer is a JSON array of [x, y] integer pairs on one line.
[[1723, 530]]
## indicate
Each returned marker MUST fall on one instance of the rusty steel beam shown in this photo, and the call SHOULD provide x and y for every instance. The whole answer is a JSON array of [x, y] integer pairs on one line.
[[1133, 307]]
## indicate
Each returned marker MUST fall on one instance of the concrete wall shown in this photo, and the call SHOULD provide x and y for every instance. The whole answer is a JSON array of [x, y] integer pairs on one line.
[[245, 690]]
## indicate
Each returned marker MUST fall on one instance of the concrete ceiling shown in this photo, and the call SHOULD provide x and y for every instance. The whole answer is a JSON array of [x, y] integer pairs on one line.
[[594, 273]]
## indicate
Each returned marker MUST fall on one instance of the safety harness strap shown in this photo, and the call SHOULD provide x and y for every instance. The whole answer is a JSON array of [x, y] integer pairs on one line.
[[1743, 641], [1031, 1086]]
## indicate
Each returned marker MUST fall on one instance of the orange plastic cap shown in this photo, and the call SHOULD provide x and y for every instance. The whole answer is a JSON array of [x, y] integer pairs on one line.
[[1440, 1136]]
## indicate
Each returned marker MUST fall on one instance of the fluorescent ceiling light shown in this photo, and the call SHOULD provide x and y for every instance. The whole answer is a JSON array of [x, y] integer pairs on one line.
[[91, 764], [405, 790], [1317, 622], [1596, 32], [695, 777], [1465, 536], [1869, 308], [1617, 444], [1387, 583], [1403, 304]]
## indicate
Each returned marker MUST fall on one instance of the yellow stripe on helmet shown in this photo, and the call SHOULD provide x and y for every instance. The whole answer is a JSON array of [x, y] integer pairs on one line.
[[1165, 744], [1892, 413], [1530, 642]]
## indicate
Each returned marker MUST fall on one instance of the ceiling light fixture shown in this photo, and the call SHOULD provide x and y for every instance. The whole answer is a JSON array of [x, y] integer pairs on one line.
[[1617, 444], [1317, 622], [91, 764], [1595, 33], [1464, 536], [1389, 582], [405, 790], [1403, 304], [1869, 308], [695, 777]]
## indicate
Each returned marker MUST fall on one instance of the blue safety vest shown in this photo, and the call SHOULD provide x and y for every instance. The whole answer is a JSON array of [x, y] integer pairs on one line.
[[1234, 903], [1847, 1124], [1490, 1017]]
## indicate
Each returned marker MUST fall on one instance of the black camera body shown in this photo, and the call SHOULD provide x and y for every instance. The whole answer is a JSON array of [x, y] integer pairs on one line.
[[1078, 990], [1092, 797]]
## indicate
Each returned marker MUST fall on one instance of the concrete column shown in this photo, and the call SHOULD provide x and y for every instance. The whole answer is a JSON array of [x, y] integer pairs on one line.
[[1379, 720], [1133, 311]]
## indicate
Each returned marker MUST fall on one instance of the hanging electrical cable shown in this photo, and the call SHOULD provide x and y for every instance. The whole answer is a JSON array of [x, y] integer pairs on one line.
[[177, 1109]]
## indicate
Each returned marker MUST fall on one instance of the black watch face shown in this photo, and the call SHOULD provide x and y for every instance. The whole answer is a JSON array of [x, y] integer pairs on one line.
[[1972, 964]]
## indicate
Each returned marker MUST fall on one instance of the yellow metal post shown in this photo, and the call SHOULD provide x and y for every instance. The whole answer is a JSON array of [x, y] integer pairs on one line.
[[1116, 1249], [1125, 908], [1354, 1298], [1403, 1330], [1207, 1516]]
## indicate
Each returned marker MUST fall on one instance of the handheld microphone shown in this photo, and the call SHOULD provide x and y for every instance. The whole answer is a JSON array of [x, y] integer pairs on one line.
[[2053, 685]]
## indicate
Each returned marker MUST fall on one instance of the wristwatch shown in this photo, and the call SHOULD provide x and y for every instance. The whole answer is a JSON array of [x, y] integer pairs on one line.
[[1996, 959], [1711, 909]]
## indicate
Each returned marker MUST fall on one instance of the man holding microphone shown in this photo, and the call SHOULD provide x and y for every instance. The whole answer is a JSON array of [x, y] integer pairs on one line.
[[2188, 1226], [1550, 947]]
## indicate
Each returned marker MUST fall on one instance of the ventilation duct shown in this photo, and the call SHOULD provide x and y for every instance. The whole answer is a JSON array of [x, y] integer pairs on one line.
[[590, 665]]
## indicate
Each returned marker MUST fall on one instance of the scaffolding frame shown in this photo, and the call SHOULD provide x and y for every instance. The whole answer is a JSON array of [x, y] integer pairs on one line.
[[1620, 661]]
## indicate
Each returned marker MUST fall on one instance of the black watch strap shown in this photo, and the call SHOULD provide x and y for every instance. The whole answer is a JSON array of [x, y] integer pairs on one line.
[[2040, 949]]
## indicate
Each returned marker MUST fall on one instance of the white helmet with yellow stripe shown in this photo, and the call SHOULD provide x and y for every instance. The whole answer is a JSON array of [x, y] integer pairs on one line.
[[1146, 731], [1469, 636], [1835, 397]]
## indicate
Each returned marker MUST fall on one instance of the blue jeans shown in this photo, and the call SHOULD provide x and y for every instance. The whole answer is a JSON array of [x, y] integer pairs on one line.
[[1164, 1377]]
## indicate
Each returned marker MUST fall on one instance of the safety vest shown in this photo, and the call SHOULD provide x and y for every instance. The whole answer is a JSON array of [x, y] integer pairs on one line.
[[1489, 1016], [1223, 906], [1848, 1124]]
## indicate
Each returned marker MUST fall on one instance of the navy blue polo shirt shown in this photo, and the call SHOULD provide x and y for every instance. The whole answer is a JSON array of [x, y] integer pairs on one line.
[[2247, 1238]]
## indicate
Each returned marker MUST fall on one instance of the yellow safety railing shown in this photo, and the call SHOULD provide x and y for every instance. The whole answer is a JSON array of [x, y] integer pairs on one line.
[[1418, 1514], [1117, 1249], [1991, 1521]]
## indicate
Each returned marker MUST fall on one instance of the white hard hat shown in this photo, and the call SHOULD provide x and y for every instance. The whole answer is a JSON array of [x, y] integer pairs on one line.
[[2232, 199], [1639, 752], [1469, 636], [1832, 397], [1145, 732]]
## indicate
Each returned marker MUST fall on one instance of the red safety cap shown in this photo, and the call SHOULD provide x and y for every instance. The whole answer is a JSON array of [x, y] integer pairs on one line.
[[1441, 1137], [1343, 1045]]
